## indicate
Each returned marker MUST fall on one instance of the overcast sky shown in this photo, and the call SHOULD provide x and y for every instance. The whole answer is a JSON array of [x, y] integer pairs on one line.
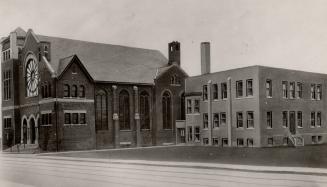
[[279, 33]]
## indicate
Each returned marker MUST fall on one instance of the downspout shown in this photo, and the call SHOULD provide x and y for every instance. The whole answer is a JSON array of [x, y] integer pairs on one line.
[[230, 114], [56, 109]]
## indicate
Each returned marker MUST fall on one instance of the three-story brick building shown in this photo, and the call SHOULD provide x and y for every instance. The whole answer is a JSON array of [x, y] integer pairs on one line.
[[255, 106]]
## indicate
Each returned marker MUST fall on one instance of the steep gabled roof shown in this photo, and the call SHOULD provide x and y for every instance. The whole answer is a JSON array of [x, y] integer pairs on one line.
[[20, 32], [164, 69], [105, 62]]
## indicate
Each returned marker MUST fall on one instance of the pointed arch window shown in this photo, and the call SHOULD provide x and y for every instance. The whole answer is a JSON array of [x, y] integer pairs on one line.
[[124, 113], [101, 117], [74, 91], [144, 110], [166, 110], [66, 90], [81, 91]]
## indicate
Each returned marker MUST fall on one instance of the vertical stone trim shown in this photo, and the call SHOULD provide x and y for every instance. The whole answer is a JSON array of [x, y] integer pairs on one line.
[[22, 132], [229, 111], [28, 132], [115, 116], [209, 113], [37, 130], [137, 116]]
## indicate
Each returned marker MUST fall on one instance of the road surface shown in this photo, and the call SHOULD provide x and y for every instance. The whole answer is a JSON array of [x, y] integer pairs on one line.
[[33, 170]]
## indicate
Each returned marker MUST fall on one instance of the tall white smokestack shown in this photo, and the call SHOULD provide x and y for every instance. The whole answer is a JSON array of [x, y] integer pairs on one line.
[[205, 58]]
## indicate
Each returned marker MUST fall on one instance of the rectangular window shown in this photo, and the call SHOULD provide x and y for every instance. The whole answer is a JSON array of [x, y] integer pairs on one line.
[[268, 88], [215, 141], [189, 106], [197, 134], [205, 92], [190, 134], [285, 140], [292, 90], [240, 142], [224, 90], [239, 116], [223, 118], [299, 119], [82, 118], [299, 90], [270, 141], [67, 118], [249, 87], [205, 141], [7, 123], [224, 142], [239, 89], [314, 139], [313, 91], [319, 139], [319, 94], [284, 85], [205, 120], [215, 91], [196, 106], [47, 119], [269, 119], [215, 120], [6, 85], [318, 119], [312, 119], [285, 118], [250, 120], [249, 142], [75, 118]]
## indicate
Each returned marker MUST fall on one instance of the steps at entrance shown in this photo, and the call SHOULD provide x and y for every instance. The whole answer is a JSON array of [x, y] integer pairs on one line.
[[297, 140], [21, 148]]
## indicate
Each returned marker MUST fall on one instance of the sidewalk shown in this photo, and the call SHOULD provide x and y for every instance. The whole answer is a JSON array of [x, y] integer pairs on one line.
[[246, 168]]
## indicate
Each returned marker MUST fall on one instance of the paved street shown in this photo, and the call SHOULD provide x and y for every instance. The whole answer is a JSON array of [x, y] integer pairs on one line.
[[33, 170]]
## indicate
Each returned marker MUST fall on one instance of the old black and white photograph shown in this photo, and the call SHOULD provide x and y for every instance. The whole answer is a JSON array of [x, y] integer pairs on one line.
[[147, 93]]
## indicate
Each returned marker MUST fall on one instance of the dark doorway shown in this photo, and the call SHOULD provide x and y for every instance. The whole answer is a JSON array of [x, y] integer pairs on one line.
[[292, 122], [181, 135], [32, 131], [25, 131]]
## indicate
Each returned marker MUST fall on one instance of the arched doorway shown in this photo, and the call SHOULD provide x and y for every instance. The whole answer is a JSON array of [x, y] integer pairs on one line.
[[25, 131], [32, 131]]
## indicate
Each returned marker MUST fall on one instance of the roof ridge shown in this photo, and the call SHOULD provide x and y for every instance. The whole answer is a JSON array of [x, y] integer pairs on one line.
[[93, 42]]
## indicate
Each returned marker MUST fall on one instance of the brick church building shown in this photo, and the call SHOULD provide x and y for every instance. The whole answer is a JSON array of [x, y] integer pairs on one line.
[[62, 94]]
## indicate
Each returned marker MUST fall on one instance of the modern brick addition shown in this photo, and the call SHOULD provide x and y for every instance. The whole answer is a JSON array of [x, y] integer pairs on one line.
[[257, 113]]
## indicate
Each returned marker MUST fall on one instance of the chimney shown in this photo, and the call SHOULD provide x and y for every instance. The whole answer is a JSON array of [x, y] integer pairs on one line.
[[205, 58], [174, 53], [13, 45]]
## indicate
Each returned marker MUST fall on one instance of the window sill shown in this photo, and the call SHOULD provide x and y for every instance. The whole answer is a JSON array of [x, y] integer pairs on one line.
[[312, 127], [284, 127], [192, 114], [250, 128], [240, 128], [126, 130], [269, 128], [175, 84], [75, 124], [215, 128], [299, 127], [269, 97], [49, 125]]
